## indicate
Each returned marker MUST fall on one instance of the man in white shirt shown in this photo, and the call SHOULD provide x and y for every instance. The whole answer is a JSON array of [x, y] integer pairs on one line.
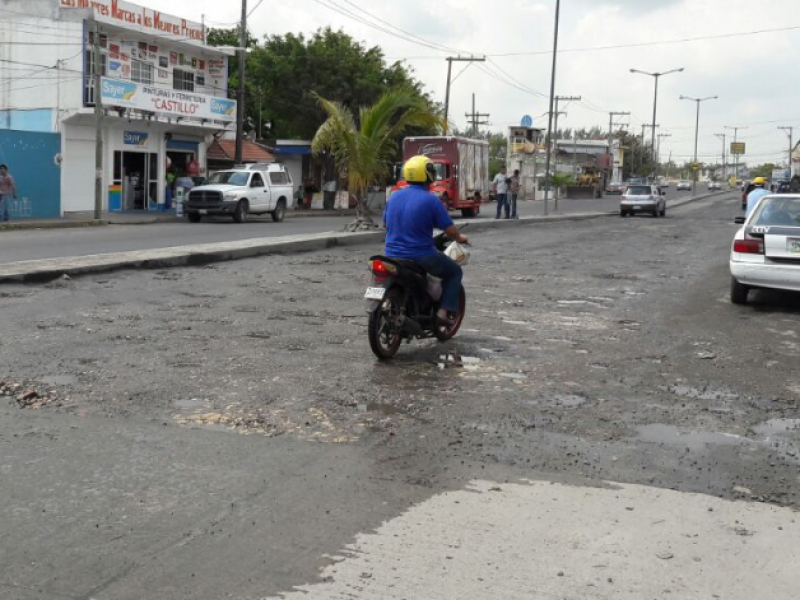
[[500, 187]]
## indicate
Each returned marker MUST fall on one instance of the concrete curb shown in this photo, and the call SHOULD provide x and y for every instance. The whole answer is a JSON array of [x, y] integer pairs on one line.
[[21, 225], [201, 254]]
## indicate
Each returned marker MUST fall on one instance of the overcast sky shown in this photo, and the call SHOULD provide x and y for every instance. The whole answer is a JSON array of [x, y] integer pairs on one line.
[[755, 76]]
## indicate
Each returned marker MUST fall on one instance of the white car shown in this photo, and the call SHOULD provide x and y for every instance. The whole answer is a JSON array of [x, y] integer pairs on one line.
[[766, 250], [258, 189], [684, 186], [642, 198]]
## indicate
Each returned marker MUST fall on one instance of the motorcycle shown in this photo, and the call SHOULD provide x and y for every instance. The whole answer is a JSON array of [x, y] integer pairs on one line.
[[402, 303]]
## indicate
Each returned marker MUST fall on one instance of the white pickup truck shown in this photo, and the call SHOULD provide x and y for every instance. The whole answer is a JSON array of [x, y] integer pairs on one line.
[[255, 189]]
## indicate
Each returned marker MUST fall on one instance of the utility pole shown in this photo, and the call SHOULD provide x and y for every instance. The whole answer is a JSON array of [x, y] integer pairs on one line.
[[736, 156], [98, 126], [695, 166], [450, 60], [240, 88], [547, 174], [474, 118], [611, 116], [660, 136], [722, 136], [790, 132], [555, 132]]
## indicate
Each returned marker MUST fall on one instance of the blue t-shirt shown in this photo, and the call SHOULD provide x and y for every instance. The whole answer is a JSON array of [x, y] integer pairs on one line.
[[411, 216]]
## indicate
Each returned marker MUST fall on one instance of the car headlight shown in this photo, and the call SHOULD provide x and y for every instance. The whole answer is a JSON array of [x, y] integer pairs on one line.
[[229, 197]]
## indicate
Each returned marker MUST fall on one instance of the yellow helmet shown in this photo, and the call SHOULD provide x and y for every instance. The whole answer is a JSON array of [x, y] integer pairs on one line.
[[759, 181], [419, 169]]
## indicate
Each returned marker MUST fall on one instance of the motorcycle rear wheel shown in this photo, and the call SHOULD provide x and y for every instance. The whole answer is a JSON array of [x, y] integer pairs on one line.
[[447, 333], [384, 339]]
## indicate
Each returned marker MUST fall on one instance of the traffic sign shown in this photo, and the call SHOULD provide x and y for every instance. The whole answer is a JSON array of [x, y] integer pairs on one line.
[[737, 148], [527, 121], [696, 166]]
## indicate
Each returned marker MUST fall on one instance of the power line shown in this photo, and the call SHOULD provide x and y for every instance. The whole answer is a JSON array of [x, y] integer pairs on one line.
[[255, 8]]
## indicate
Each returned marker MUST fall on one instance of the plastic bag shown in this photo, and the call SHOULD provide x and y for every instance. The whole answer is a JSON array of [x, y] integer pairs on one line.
[[458, 253]]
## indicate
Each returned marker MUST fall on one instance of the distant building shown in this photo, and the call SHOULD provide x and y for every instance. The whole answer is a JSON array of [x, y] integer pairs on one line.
[[164, 94]]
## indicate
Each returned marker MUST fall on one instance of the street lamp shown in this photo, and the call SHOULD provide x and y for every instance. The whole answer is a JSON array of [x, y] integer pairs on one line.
[[655, 76], [696, 134]]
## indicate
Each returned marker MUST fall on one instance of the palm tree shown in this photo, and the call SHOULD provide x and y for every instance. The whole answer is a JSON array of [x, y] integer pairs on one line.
[[363, 150]]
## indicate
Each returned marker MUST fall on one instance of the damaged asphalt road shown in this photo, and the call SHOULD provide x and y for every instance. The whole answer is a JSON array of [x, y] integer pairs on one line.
[[222, 431]]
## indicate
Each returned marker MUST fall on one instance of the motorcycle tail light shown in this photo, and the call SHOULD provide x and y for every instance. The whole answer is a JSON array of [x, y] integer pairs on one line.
[[383, 269]]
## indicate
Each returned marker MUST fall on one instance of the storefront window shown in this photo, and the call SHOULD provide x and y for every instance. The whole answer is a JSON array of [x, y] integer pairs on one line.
[[141, 72]]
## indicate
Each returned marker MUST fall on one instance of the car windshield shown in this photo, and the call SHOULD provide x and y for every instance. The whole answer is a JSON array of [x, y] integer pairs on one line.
[[777, 211], [638, 190], [229, 178]]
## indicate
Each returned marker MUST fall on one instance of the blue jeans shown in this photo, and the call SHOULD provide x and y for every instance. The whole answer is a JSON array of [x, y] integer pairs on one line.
[[502, 201], [4, 200], [450, 273], [513, 204]]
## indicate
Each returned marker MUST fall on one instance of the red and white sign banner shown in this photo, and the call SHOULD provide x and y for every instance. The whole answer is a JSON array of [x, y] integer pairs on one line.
[[139, 18]]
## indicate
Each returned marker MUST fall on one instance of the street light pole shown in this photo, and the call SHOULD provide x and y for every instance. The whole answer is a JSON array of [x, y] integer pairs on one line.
[[696, 136], [655, 76], [240, 88], [547, 174]]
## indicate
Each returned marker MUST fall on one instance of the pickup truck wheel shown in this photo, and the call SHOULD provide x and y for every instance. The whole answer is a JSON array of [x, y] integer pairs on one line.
[[279, 212], [193, 217], [468, 213], [240, 214]]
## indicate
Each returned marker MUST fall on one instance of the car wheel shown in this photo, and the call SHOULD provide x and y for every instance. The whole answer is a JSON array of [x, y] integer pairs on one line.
[[279, 212], [240, 214], [739, 292], [193, 217], [623, 214]]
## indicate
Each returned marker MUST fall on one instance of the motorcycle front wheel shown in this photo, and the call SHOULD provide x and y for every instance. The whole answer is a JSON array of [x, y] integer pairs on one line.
[[384, 338], [446, 333]]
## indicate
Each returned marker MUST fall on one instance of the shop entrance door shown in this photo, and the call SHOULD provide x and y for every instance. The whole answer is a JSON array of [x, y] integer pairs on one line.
[[136, 175]]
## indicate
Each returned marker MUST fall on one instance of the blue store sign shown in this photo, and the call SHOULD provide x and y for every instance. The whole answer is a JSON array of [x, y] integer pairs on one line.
[[136, 138]]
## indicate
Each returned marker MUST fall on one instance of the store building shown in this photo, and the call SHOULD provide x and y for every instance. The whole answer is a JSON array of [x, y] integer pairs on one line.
[[163, 91]]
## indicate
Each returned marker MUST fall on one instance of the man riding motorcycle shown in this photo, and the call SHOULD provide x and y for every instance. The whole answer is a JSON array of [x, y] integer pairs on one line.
[[410, 218]]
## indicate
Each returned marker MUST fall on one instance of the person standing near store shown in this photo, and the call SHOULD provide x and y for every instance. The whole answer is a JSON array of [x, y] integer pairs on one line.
[[500, 187], [514, 186], [8, 190]]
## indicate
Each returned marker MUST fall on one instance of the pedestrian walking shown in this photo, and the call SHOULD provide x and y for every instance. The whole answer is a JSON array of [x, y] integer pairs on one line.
[[514, 187], [500, 187], [8, 190]]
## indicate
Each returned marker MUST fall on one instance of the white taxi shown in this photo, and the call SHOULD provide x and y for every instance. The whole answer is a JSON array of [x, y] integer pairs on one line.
[[766, 250]]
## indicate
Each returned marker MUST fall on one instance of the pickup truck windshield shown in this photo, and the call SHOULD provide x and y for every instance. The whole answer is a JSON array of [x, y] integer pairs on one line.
[[229, 178]]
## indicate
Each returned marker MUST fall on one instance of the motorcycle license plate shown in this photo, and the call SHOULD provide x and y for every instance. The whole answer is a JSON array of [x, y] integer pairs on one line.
[[375, 293]]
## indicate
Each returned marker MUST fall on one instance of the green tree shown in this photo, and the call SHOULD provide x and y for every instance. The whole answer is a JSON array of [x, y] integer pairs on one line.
[[638, 161], [764, 170], [286, 73], [560, 181], [364, 149]]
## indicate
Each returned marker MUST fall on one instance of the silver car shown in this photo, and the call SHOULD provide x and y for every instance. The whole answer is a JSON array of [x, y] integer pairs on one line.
[[643, 199]]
